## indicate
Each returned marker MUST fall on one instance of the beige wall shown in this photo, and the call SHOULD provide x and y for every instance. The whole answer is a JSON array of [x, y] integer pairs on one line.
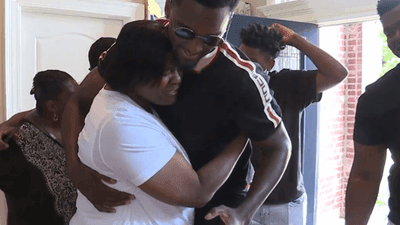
[[2, 75], [3, 207]]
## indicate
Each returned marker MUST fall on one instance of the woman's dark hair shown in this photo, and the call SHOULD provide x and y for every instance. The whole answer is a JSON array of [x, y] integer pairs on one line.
[[385, 6], [98, 47], [139, 56], [259, 36], [213, 4], [48, 85]]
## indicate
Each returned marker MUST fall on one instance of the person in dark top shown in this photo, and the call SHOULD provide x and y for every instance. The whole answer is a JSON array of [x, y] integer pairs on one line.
[[97, 48], [376, 129], [294, 90], [221, 95], [32, 169]]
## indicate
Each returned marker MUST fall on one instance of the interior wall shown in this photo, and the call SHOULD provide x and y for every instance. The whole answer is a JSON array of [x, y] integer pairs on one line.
[[3, 206]]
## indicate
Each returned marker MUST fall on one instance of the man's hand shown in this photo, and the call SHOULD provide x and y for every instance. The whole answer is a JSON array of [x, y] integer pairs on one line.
[[287, 33], [330, 71], [6, 133], [228, 215], [90, 184]]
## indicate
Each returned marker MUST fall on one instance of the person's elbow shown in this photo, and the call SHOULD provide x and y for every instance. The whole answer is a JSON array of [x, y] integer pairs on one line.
[[342, 73], [277, 147], [339, 74]]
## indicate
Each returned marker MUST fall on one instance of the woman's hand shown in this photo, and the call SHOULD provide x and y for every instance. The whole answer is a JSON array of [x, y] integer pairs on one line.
[[6, 133]]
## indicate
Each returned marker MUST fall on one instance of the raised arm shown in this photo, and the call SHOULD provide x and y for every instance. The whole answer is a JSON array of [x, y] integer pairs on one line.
[[76, 110], [363, 186], [88, 181], [330, 71]]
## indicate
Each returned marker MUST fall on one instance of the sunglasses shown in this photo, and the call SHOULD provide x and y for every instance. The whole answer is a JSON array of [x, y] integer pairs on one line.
[[188, 34]]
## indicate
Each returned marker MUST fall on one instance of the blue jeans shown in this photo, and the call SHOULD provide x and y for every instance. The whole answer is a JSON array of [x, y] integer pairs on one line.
[[292, 213]]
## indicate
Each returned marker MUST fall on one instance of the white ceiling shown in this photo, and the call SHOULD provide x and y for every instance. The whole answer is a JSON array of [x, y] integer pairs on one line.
[[323, 12]]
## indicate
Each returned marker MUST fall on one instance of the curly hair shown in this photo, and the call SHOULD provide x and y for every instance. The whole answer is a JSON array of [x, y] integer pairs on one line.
[[138, 56], [260, 36], [48, 85], [385, 6], [213, 4]]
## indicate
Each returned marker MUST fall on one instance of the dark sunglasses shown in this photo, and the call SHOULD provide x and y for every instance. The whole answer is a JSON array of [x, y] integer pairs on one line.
[[188, 34]]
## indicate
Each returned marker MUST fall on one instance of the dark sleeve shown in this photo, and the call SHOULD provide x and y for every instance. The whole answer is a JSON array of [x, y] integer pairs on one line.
[[297, 87], [13, 165], [369, 126], [255, 110]]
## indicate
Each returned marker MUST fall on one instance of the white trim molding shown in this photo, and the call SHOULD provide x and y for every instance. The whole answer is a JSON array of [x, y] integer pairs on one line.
[[323, 13], [105, 9]]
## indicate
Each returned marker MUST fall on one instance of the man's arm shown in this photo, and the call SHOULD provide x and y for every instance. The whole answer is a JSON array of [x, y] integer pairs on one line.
[[76, 110], [272, 156], [330, 71], [363, 186], [88, 181]]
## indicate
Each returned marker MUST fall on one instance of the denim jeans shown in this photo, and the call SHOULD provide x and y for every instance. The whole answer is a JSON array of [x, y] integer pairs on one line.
[[292, 213]]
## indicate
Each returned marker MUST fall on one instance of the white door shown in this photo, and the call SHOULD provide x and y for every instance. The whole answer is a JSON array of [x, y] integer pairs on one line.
[[54, 34]]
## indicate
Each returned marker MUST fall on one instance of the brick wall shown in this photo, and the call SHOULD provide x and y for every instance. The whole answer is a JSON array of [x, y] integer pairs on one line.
[[337, 110], [353, 84]]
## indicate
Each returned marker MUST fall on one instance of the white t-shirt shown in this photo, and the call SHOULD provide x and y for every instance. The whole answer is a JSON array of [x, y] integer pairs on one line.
[[123, 141]]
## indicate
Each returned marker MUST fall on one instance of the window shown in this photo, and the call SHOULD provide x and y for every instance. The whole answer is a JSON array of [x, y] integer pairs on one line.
[[289, 58]]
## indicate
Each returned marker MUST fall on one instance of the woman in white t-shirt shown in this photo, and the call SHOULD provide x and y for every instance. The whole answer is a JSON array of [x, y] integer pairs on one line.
[[123, 137]]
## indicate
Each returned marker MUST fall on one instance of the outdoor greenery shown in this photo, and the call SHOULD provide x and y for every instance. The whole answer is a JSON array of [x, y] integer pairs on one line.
[[389, 59]]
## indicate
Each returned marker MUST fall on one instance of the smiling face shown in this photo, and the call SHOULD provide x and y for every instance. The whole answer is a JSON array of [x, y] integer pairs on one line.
[[391, 27], [202, 21], [162, 93]]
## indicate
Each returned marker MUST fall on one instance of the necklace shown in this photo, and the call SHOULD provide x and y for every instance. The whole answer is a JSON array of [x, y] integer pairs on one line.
[[45, 129], [48, 132]]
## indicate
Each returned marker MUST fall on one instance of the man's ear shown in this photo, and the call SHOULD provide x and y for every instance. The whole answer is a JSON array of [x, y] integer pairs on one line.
[[167, 8], [271, 64]]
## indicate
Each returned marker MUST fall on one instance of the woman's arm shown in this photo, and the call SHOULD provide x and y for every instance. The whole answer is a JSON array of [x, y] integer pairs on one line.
[[9, 127], [178, 184], [139, 152]]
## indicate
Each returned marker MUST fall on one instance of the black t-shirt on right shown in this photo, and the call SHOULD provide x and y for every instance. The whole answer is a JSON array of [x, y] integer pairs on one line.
[[378, 123], [294, 90]]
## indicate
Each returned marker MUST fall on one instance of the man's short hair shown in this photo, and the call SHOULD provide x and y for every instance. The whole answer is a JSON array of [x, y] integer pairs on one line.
[[214, 4], [138, 56], [101, 45], [259, 36], [385, 6]]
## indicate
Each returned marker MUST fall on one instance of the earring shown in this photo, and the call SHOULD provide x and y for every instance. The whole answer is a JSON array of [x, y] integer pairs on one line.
[[55, 117]]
